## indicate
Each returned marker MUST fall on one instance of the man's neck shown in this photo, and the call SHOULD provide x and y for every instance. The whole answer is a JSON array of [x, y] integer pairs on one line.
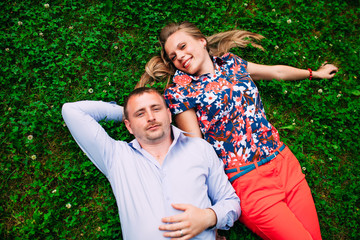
[[158, 150]]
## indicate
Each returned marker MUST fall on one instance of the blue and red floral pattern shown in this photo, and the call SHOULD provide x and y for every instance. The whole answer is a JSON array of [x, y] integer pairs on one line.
[[229, 110]]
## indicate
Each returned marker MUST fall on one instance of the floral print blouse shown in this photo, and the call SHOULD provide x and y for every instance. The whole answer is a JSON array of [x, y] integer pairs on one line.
[[229, 110]]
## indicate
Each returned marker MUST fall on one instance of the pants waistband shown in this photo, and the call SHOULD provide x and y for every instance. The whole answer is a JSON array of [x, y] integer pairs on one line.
[[245, 169]]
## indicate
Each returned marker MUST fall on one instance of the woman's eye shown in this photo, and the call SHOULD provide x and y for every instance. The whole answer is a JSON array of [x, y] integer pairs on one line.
[[172, 58], [183, 46]]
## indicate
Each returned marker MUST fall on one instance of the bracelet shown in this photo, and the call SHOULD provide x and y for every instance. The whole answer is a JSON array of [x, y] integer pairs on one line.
[[310, 77]]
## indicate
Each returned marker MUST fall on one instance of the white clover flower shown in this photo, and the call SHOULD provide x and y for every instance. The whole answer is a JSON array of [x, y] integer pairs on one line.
[[311, 121], [330, 159], [320, 90], [7, 49], [98, 229], [304, 168], [294, 53], [30, 137], [316, 37], [276, 47], [116, 47], [46, 5], [71, 27], [68, 205], [53, 191], [285, 92], [339, 95], [104, 91], [288, 21], [41, 34], [293, 123], [330, 45], [64, 125], [20, 23], [245, 4], [9, 109], [33, 157], [304, 57], [340, 130], [273, 10], [90, 90]]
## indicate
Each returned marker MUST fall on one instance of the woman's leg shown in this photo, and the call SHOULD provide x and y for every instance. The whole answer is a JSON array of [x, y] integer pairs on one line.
[[277, 223], [276, 201], [300, 200]]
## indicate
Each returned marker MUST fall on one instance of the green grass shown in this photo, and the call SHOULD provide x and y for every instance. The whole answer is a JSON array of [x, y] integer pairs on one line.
[[75, 50]]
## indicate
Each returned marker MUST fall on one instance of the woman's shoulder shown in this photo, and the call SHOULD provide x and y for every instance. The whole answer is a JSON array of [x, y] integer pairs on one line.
[[232, 58], [229, 55]]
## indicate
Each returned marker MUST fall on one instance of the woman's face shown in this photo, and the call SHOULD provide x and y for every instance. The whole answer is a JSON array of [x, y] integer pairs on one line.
[[188, 54]]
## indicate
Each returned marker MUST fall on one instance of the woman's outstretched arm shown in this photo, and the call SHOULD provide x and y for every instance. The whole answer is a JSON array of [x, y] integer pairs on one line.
[[283, 72]]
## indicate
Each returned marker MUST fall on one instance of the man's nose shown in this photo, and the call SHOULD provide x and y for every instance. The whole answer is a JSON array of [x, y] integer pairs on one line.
[[150, 116]]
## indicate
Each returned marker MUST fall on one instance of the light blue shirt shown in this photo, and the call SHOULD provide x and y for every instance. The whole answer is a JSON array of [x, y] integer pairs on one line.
[[144, 190]]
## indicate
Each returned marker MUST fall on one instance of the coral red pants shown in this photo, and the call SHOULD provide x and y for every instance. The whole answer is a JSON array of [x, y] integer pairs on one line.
[[276, 201]]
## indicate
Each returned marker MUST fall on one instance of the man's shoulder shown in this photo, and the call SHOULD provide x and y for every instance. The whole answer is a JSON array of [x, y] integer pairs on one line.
[[197, 143]]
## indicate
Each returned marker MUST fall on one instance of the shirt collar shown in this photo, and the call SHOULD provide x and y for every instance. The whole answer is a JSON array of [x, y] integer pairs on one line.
[[218, 62]]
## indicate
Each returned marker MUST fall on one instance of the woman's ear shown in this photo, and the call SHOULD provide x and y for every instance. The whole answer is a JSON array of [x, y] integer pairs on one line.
[[203, 42]]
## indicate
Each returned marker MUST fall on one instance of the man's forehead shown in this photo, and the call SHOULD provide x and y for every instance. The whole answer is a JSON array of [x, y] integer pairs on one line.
[[146, 99]]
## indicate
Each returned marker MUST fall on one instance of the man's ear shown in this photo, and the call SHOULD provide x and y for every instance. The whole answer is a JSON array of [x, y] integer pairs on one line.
[[128, 125], [169, 113]]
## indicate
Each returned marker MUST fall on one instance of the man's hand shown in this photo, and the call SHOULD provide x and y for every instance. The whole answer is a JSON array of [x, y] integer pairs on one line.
[[188, 224]]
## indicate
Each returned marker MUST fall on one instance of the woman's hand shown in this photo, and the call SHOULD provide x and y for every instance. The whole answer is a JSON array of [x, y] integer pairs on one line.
[[325, 71]]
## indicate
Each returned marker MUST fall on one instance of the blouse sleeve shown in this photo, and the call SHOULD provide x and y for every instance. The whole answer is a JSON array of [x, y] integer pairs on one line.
[[237, 60], [178, 98]]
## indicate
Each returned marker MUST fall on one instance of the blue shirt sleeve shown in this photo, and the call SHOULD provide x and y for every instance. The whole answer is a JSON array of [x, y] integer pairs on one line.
[[226, 204], [82, 120]]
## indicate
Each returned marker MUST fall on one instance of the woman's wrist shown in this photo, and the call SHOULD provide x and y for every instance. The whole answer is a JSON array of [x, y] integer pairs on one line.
[[311, 73]]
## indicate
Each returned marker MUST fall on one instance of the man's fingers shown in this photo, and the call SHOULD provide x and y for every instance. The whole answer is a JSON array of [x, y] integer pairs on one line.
[[181, 206], [172, 226], [178, 217], [174, 218], [178, 234]]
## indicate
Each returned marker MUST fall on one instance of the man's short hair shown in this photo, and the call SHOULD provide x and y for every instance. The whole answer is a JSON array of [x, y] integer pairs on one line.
[[138, 92]]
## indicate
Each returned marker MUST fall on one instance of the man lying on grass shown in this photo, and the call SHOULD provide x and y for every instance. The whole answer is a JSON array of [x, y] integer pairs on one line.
[[167, 185]]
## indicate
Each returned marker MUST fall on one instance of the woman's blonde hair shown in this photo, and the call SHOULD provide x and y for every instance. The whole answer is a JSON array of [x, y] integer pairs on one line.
[[161, 68]]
